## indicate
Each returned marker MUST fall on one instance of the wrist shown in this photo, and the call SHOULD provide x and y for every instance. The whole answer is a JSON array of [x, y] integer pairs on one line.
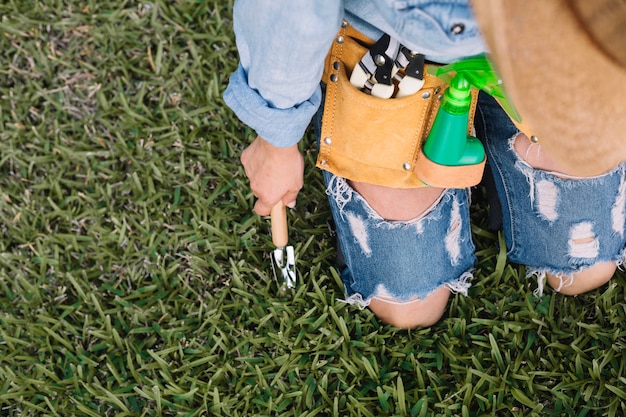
[[275, 149]]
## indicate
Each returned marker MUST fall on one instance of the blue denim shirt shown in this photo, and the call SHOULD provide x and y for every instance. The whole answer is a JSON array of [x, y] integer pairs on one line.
[[282, 45]]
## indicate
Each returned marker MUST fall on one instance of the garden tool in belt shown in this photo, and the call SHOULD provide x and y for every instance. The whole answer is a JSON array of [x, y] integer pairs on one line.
[[389, 69], [385, 62]]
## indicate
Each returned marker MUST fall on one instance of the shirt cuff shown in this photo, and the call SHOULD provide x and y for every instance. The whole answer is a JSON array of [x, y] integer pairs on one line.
[[280, 127]]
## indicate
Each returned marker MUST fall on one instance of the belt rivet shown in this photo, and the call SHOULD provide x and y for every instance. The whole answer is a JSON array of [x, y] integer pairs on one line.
[[534, 139], [426, 95], [406, 166], [340, 39], [334, 78], [379, 60], [328, 140]]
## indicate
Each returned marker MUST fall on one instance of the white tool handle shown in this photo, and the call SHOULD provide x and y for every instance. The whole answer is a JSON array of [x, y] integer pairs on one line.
[[359, 77], [409, 86]]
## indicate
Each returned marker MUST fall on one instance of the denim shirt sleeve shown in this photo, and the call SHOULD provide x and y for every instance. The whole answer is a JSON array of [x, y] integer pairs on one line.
[[282, 45]]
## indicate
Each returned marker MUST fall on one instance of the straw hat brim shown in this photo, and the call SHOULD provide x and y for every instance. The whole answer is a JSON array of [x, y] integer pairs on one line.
[[570, 93]]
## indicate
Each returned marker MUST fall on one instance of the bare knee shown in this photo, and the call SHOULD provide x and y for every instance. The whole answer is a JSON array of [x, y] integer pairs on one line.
[[399, 204], [418, 313], [585, 280]]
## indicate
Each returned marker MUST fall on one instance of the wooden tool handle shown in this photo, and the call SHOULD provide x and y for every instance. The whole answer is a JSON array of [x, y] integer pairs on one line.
[[279, 225]]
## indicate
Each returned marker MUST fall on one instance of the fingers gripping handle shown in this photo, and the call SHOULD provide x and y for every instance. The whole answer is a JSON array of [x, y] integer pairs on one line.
[[278, 216]]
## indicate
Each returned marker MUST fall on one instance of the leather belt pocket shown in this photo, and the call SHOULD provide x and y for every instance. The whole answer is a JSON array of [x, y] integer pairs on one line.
[[370, 139]]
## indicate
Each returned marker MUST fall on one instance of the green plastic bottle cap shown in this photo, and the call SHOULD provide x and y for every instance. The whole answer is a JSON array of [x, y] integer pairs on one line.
[[458, 97]]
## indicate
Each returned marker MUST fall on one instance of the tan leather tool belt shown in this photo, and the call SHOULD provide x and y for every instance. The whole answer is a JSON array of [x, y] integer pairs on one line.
[[377, 140]]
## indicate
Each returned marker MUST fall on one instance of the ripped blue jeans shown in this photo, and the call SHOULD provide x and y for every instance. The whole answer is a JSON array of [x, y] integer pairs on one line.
[[552, 223], [401, 261]]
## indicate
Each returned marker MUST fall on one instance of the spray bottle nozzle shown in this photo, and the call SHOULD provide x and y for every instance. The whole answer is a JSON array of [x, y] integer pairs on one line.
[[480, 73], [448, 142], [458, 97]]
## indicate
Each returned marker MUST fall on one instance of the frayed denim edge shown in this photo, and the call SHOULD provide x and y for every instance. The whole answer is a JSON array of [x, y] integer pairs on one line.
[[565, 279], [460, 285], [342, 193]]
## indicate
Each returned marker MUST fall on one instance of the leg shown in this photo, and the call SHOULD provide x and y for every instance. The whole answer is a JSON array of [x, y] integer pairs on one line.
[[591, 277], [567, 230], [404, 250], [416, 313], [586, 280], [403, 205]]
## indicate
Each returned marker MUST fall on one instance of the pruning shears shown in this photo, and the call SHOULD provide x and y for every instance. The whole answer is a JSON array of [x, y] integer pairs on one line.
[[378, 69]]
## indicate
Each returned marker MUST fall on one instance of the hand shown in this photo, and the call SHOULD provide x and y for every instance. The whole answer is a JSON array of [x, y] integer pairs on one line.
[[275, 174]]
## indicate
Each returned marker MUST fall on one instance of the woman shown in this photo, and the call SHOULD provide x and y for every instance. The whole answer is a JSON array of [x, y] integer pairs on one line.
[[407, 248]]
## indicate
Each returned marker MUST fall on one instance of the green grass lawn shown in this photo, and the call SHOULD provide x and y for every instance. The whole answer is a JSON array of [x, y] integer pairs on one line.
[[135, 279]]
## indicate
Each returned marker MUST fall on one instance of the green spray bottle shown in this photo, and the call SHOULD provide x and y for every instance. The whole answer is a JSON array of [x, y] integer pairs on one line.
[[448, 142]]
